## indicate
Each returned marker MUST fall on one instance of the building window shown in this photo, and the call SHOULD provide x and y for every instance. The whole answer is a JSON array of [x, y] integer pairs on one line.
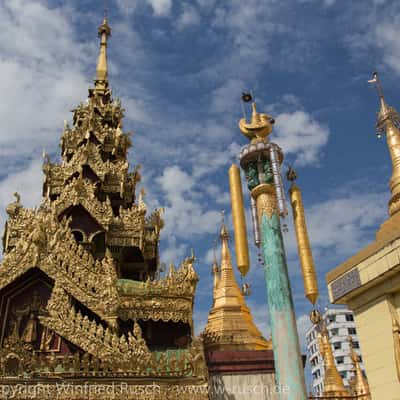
[[352, 331], [339, 360], [356, 345], [343, 374], [334, 331], [349, 317], [337, 346], [360, 359], [331, 318]]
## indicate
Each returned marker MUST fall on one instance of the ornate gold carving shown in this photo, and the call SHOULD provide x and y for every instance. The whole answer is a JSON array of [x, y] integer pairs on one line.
[[167, 299], [265, 197], [121, 353], [82, 191], [396, 337], [259, 127], [55, 251]]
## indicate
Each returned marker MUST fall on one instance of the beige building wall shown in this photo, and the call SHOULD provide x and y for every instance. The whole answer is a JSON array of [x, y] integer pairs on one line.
[[374, 325], [369, 284], [241, 386]]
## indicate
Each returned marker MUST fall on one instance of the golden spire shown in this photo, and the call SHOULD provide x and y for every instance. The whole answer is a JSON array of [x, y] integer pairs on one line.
[[333, 383], [388, 122], [101, 81], [230, 325], [303, 242], [360, 386], [215, 272]]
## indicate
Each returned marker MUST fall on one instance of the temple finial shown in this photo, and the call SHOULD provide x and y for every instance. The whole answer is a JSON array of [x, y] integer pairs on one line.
[[333, 383], [224, 231], [360, 384], [101, 81], [388, 122]]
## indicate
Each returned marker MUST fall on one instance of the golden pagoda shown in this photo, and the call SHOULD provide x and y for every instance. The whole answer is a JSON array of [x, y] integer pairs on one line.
[[230, 324]]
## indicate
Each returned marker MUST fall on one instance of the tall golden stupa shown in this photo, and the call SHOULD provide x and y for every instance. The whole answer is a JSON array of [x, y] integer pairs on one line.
[[230, 324]]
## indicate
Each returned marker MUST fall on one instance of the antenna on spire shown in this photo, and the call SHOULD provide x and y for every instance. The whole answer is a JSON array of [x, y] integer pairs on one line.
[[215, 241], [105, 9], [376, 81], [223, 216], [246, 98]]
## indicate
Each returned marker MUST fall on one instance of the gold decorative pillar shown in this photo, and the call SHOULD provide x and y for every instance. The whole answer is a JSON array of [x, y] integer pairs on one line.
[[239, 220], [303, 243]]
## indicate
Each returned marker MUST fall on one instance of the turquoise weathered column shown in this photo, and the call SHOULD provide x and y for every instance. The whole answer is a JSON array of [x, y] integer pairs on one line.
[[261, 162], [285, 341]]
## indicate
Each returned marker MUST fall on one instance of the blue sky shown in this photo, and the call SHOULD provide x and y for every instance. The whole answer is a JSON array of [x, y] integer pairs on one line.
[[179, 68]]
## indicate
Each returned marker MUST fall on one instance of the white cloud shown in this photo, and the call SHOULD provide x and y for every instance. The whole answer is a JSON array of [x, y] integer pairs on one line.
[[303, 325], [127, 6], [161, 8], [227, 96], [387, 35], [375, 28], [189, 17], [185, 214], [173, 251], [300, 134], [42, 68], [339, 225]]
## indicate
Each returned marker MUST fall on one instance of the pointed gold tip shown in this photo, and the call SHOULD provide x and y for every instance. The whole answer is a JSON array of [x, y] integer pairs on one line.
[[101, 81], [388, 123], [224, 234], [254, 108]]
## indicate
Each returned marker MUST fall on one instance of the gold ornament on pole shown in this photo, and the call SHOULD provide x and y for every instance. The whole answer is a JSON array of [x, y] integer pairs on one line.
[[303, 243], [239, 221]]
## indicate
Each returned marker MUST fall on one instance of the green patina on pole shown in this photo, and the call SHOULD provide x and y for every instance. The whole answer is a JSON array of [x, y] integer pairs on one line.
[[289, 368]]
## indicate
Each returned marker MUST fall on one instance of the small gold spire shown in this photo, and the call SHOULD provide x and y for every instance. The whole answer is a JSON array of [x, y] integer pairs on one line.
[[360, 385], [101, 81], [333, 383], [230, 325], [388, 122], [215, 272]]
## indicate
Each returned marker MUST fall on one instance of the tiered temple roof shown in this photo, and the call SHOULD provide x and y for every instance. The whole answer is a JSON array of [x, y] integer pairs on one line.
[[80, 288]]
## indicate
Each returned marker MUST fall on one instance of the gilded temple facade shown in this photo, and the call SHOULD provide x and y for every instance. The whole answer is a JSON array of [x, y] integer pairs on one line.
[[81, 297]]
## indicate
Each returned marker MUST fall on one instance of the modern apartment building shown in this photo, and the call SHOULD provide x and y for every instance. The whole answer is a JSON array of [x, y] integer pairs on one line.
[[340, 324]]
